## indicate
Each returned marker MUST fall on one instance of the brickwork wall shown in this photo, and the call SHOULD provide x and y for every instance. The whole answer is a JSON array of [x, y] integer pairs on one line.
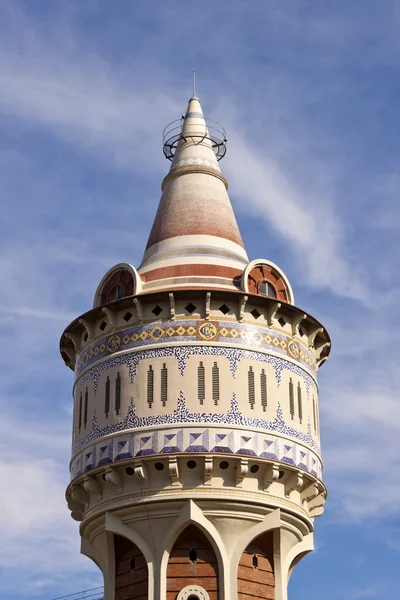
[[255, 572], [192, 562], [131, 573]]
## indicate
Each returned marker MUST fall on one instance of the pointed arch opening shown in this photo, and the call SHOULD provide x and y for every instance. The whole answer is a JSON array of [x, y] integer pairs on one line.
[[192, 561], [255, 570], [131, 571]]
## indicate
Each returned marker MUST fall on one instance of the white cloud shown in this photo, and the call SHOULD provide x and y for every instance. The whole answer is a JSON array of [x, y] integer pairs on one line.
[[37, 531], [89, 103], [361, 445], [312, 229]]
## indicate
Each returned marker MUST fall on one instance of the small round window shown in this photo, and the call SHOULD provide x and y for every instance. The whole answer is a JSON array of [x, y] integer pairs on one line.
[[267, 289], [116, 293]]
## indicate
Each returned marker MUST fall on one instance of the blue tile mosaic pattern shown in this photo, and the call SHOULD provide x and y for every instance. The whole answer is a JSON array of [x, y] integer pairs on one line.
[[182, 353], [192, 330], [182, 415], [197, 438]]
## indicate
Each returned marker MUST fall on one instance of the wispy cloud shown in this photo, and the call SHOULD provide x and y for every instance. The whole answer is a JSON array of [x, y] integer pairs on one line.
[[313, 230], [103, 110], [36, 528]]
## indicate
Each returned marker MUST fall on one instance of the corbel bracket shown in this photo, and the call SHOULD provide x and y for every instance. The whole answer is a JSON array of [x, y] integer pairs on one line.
[[110, 314], [92, 486], [309, 493], [141, 474], [296, 321], [172, 305], [78, 494], [208, 470], [242, 306], [271, 474], [139, 310], [89, 328], [242, 470], [75, 339], [272, 310], [173, 470], [112, 477], [312, 335], [208, 304], [294, 482]]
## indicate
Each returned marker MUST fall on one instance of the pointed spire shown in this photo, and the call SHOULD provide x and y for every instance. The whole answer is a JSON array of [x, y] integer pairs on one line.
[[195, 239], [195, 146]]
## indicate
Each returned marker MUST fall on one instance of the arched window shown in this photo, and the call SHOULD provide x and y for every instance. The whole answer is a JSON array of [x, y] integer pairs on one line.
[[116, 293], [267, 289], [255, 569], [192, 561], [131, 571]]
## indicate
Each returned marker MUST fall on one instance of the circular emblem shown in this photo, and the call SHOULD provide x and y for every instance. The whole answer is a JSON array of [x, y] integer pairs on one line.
[[113, 343], [208, 331], [293, 349]]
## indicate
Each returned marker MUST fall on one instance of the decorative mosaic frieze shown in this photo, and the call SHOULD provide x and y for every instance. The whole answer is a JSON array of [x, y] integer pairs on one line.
[[192, 330], [182, 415], [196, 439], [182, 353]]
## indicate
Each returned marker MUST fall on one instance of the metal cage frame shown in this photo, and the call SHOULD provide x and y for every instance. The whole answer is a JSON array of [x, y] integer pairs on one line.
[[172, 135]]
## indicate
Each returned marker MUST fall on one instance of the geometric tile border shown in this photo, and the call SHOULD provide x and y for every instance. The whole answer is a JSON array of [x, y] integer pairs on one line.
[[195, 439], [192, 330]]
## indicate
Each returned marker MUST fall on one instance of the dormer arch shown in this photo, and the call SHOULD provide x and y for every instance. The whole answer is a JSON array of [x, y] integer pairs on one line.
[[120, 281], [264, 278]]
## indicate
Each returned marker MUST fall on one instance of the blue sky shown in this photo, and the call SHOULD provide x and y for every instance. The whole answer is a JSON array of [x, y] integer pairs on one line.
[[308, 92]]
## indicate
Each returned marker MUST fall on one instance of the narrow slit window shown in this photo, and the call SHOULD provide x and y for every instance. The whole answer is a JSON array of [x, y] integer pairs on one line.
[[252, 394], [150, 386], [263, 385], [299, 402], [255, 561], [315, 420], [164, 384], [85, 413], [215, 384], [201, 382], [193, 556], [107, 397], [118, 394], [291, 398], [80, 412]]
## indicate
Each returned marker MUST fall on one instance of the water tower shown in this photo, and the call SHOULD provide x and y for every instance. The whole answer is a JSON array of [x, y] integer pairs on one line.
[[196, 469]]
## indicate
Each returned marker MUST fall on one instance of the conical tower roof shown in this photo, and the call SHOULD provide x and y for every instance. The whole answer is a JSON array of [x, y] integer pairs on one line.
[[195, 240]]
